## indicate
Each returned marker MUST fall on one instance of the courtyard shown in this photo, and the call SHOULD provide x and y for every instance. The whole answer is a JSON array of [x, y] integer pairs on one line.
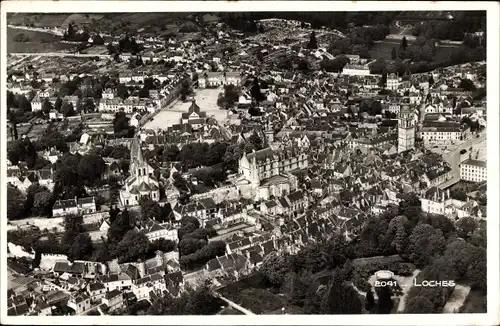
[[206, 99]]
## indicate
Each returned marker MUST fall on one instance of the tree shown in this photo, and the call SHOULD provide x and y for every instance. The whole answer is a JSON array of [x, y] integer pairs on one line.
[[190, 245], [150, 209], [119, 226], [394, 54], [88, 106], [419, 305], [120, 123], [31, 154], [90, 168], [370, 300], [385, 303], [132, 247], [15, 203], [81, 247], [256, 141], [274, 268], [21, 37], [67, 109], [42, 203], [122, 91], [467, 85], [98, 40], [397, 233], [431, 80], [312, 41], [425, 242], [404, 43], [231, 95], [341, 298], [466, 226], [58, 104], [46, 106], [185, 89], [255, 91]]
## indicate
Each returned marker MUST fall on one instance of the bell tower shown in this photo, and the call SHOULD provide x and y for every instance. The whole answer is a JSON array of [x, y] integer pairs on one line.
[[406, 130]]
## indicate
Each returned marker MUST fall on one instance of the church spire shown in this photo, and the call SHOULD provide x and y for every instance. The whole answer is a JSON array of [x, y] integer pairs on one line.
[[136, 151]]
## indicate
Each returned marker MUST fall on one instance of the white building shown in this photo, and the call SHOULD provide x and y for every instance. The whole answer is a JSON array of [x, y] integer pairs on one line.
[[392, 81], [74, 206], [435, 201], [473, 170], [356, 70], [440, 135]]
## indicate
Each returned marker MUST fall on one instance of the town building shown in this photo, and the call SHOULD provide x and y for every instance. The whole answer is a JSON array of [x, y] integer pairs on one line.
[[473, 170], [392, 81], [74, 206]]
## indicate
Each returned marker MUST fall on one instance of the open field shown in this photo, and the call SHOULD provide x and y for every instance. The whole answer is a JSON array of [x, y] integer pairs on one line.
[[38, 20], [206, 99], [116, 23], [37, 42], [383, 49]]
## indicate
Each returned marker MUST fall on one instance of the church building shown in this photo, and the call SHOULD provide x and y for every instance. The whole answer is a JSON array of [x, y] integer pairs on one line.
[[141, 181]]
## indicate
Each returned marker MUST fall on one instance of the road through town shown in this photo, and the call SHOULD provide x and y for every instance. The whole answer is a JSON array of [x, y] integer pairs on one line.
[[453, 158]]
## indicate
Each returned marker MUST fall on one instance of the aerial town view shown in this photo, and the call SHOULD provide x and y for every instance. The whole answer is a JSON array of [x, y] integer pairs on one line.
[[246, 163]]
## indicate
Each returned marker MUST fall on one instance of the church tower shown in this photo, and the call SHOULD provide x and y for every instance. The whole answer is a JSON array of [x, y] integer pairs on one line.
[[406, 130]]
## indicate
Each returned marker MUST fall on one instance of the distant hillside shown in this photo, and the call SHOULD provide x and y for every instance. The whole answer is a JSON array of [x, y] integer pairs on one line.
[[115, 23]]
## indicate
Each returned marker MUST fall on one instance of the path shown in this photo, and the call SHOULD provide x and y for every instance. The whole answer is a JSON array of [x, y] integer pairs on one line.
[[232, 304], [406, 284], [37, 29], [456, 299], [59, 54]]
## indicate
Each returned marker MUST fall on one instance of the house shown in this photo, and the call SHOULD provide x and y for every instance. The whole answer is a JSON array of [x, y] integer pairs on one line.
[[116, 282], [155, 231], [74, 206], [113, 299], [435, 201], [80, 303], [392, 81], [96, 291], [75, 269], [17, 306]]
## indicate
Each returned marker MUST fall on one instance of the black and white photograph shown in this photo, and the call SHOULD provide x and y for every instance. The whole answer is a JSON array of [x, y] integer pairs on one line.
[[232, 160]]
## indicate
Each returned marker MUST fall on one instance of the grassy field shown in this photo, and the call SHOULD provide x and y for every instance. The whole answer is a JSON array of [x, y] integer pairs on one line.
[[38, 20], [37, 42], [384, 50]]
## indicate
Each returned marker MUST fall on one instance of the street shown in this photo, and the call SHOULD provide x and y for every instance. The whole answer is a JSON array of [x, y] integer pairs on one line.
[[453, 158]]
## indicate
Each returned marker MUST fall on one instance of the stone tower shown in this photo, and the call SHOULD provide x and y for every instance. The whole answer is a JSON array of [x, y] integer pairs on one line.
[[406, 130]]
